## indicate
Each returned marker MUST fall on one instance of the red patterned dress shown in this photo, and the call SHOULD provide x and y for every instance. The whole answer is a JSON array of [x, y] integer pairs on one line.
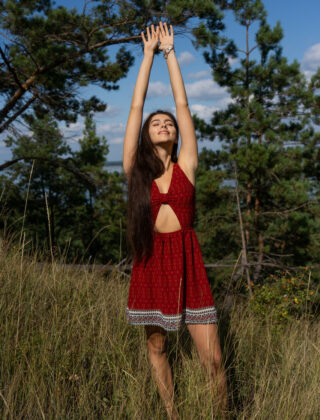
[[171, 287]]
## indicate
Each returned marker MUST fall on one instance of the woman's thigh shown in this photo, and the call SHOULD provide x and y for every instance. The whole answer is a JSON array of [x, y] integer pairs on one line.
[[206, 340]]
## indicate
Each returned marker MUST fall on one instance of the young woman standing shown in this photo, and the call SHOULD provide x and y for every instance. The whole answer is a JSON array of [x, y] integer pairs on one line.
[[168, 285]]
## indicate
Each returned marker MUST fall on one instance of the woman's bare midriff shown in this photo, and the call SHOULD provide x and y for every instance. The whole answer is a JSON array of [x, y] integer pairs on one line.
[[167, 220]]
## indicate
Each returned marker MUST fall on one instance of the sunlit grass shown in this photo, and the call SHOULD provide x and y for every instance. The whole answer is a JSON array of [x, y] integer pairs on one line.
[[68, 352]]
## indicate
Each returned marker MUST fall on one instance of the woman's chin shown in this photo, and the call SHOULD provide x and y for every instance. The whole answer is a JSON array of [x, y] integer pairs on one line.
[[162, 141]]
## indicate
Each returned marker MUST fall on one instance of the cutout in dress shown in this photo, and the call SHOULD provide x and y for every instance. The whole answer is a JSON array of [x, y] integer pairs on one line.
[[166, 215]]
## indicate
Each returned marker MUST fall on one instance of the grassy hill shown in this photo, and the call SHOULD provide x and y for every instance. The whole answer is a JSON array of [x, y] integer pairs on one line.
[[68, 352]]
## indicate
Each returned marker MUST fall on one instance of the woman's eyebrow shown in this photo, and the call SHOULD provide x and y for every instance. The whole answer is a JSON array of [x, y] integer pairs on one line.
[[157, 119]]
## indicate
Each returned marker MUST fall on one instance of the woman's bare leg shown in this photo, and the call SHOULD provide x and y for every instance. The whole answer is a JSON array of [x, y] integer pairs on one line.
[[206, 340], [160, 368]]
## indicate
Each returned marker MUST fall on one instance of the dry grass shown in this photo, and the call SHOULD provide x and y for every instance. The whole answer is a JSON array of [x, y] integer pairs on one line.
[[68, 352]]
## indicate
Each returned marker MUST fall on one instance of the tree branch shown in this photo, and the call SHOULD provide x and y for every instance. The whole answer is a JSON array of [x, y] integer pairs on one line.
[[43, 69], [15, 76], [82, 176], [4, 126]]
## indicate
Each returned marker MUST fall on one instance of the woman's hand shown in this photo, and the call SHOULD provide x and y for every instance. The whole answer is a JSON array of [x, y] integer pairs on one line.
[[164, 36], [151, 44]]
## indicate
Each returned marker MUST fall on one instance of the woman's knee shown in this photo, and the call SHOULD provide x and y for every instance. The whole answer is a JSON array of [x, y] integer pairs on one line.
[[157, 340], [209, 358], [217, 360], [206, 339]]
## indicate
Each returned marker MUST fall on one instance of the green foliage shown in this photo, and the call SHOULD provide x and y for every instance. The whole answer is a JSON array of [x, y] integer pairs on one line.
[[269, 131], [52, 51], [284, 296], [215, 215], [93, 149], [55, 51], [87, 218]]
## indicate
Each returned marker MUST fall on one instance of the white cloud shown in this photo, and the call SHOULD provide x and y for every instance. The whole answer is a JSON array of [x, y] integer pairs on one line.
[[110, 112], [203, 111], [199, 74], [116, 140], [73, 132], [208, 73], [16, 129], [185, 58], [113, 131], [311, 58], [111, 128], [232, 61], [158, 89], [205, 89], [308, 74], [224, 102]]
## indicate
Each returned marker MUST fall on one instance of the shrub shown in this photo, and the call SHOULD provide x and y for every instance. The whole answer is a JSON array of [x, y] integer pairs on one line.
[[285, 296]]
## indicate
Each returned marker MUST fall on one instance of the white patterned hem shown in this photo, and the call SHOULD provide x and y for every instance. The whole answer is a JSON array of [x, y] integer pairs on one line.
[[207, 315]]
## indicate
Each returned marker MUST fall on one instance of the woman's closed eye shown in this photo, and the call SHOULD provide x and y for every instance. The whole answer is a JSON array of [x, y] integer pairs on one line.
[[158, 124]]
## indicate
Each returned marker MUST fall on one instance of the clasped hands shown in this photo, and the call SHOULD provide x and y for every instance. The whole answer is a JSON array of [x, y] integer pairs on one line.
[[160, 34]]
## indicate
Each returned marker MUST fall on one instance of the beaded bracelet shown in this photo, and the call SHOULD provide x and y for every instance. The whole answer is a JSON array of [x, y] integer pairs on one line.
[[167, 50]]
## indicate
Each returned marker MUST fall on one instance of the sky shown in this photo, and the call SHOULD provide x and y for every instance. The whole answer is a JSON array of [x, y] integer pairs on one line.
[[300, 24]]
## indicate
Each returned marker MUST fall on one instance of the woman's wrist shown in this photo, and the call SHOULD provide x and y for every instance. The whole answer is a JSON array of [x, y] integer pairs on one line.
[[149, 53], [169, 49]]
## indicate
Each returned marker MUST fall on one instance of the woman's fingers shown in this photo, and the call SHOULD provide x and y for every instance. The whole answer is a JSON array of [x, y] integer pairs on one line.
[[152, 34], [164, 30], [161, 28]]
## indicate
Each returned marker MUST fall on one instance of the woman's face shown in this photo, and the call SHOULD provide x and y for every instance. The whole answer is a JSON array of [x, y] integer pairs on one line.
[[162, 129]]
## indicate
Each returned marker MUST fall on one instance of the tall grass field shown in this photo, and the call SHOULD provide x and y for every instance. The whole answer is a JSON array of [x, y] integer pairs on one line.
[[68, 352]]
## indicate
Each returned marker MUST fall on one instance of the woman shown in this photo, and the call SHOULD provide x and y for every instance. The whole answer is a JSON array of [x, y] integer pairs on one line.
[[168, 284]]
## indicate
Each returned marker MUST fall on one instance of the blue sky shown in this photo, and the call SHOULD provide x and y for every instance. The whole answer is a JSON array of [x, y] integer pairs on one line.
[[300, 23]]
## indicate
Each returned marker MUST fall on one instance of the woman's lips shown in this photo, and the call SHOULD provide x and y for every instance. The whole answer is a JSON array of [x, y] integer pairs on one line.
[[164, 132]]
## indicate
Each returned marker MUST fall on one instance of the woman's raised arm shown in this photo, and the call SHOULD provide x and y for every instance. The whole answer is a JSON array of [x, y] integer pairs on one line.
[[188, 153], [132, 133]]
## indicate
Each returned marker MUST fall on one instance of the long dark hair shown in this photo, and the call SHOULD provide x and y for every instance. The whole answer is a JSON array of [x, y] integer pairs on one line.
[[146, 166]]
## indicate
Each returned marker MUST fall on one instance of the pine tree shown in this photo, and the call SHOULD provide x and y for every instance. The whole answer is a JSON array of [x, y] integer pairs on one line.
[[48, 53], [87, 218], [267, 131], [47, 143], [105, 205]]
